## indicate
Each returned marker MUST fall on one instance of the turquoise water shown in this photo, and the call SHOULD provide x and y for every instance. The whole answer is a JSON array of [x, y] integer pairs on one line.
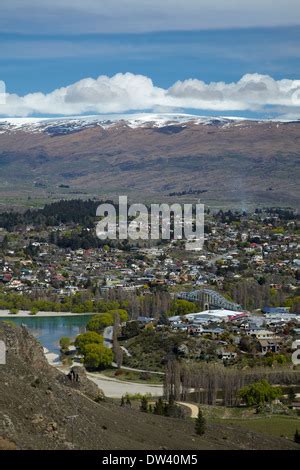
[[49, 330]]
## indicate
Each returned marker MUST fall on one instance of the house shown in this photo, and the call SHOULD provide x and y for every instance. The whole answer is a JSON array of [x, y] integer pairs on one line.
[[145, 320], [266, 345], [195, 330], [179, 326], [260, 333], [213, 331], [227, 355], [275, 310], [296, 406]]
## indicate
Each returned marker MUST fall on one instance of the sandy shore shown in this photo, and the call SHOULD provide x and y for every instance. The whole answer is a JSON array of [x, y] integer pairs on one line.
[[26, 313]]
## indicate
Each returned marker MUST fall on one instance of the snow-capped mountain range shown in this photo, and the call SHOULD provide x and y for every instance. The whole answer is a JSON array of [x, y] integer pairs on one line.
[[65, 125], [228, 159]]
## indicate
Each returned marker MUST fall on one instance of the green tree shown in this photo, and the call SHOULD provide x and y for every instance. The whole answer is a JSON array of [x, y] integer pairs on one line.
[[128, 401], [159, 407], [172, 410], [64, 343], [90, 337], [4, 243], [34, 310], [121, 312], [131, 329], [259, 393], [183, 307], [200, 425], [99, 322], [294, 304], [144, 404], [97, 356], [14, 310], [291, 395]]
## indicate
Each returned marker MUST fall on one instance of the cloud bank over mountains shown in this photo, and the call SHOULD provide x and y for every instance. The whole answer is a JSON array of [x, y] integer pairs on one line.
[[128, 92]]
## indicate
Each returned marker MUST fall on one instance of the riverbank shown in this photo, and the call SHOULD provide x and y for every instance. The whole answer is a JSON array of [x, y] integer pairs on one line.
[[27, 313]]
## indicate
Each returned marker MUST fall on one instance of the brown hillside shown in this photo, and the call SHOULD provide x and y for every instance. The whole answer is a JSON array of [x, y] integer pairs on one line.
[[36, 402]]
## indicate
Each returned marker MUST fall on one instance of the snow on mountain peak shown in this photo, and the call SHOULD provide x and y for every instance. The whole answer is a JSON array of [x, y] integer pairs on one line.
[[65, 125]]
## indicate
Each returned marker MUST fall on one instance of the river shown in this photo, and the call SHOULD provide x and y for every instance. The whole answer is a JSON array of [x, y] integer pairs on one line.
[[49, 330]]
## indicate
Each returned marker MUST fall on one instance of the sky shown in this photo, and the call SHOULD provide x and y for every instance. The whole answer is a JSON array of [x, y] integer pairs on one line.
[[221, 57]]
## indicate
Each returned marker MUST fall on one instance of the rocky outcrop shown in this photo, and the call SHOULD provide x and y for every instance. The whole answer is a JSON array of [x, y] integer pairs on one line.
[[78, 380], [20, 343]]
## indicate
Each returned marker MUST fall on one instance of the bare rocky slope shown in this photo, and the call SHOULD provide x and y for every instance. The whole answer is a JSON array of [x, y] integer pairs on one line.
[[234, 162], [37, 403]]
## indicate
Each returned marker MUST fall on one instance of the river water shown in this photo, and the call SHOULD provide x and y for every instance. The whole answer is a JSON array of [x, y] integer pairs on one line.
[[49, 330]]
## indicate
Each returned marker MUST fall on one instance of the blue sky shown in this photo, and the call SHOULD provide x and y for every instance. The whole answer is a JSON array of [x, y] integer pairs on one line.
[[36, 62], [42, 50]]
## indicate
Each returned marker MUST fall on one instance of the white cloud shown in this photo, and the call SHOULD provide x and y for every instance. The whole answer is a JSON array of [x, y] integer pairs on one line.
[[107, 16], [129, 92]]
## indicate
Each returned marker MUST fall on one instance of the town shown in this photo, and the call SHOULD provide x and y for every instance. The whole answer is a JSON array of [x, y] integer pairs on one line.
[[149, 231], [238, 300]]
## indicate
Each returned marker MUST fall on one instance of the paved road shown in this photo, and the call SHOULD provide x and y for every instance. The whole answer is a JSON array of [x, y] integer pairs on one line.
[[114, 388], [126, 351]]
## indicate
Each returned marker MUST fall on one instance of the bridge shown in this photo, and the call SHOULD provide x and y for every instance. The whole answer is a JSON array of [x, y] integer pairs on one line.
[[209, 299]]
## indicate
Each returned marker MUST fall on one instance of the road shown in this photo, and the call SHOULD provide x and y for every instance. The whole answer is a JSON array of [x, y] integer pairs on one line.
[[194, 408], [114, 388]]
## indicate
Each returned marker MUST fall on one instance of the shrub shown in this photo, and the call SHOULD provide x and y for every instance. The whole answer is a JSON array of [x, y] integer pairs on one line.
[[200, 426], [34, 310], [159, 408], [64, 343], [14, 311], [144, 404], [297, 437], [145, 376]]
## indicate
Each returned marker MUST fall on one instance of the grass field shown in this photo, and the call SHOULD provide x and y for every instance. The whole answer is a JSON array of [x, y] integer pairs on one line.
[[132, 376], [280, 426]]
